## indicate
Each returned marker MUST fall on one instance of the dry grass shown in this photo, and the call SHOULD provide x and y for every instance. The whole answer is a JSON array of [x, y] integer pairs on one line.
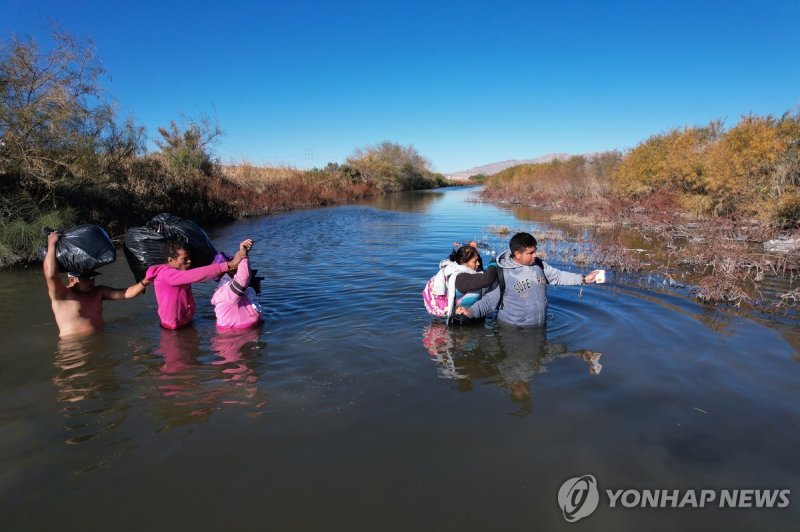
[[502, 230], [261, 190], [588, 219], [259, 178]]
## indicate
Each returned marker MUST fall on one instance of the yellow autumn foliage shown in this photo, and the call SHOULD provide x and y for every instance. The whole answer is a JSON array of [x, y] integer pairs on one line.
[[750, 169], [741, 167], [744, 170], [674, 160]]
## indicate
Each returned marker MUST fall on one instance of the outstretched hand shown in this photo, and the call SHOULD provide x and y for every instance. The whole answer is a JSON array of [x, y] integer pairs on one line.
[[591, 277], [53, 237], [245, 245]]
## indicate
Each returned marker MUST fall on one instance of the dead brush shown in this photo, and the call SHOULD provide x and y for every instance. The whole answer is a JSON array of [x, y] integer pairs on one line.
[[502, 230], [722, 288], [789, 300], [259, 178]]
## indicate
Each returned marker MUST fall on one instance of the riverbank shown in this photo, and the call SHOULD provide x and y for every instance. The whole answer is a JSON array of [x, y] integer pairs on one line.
[[720, 260], [148, 187]]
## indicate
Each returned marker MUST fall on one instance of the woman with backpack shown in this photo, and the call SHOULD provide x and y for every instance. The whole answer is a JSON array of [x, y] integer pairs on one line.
[[457, 283]]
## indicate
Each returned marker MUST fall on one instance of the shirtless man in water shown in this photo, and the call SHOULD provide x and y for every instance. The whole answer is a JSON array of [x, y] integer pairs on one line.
[[78, 306]]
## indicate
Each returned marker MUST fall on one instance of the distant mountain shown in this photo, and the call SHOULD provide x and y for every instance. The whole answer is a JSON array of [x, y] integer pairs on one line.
[[493, 168]]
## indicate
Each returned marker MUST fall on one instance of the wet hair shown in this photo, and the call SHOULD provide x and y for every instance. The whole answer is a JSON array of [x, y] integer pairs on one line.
[[174, 246], [463, 254], [521, 241]]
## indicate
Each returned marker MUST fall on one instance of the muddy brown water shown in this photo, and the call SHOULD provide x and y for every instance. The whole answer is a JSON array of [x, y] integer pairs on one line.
[[352, 409]]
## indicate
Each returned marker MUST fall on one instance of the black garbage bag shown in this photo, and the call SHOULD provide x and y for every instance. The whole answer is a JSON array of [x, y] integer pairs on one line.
[[143, 248], [146, 246], [172, 226], [82, 248]]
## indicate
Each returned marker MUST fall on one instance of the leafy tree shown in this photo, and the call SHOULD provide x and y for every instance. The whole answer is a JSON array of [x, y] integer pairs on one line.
[[56, 129], [189, 148], [392, 166]]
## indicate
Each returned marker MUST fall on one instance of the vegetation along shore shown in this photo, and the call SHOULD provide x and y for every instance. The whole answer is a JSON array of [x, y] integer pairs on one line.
[[66, 157]]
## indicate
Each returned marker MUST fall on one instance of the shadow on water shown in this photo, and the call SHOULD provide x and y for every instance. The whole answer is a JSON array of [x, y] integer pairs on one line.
[[508, 357]]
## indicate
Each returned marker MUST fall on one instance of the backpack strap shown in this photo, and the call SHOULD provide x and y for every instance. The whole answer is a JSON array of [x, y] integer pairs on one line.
[[538, 262], [501, 280]]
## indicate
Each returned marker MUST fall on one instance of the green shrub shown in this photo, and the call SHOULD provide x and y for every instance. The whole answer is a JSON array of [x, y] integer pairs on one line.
[[391, 167], [20, 239], [187, 149]]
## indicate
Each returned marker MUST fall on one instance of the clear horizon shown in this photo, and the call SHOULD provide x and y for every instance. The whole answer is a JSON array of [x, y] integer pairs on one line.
[[306, 83]]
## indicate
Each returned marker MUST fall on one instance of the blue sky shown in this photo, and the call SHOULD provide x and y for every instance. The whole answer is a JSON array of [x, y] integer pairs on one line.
[[467, 83]]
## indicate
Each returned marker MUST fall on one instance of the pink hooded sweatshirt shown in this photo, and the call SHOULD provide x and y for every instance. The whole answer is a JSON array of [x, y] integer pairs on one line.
[[176, 306], [233, 308]]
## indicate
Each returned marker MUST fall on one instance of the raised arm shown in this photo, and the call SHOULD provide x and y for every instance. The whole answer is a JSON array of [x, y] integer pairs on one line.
[[55, 286], [242, 277]]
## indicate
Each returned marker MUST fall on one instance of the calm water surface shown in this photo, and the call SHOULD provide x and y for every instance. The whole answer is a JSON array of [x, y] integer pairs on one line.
[[351, 409]]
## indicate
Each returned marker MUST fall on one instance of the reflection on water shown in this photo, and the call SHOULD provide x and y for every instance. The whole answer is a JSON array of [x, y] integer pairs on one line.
[[200, 381], [197, 377], [82, 376], [420, 202], [235, 349], [95, 407], [179, 349], [506, 356]]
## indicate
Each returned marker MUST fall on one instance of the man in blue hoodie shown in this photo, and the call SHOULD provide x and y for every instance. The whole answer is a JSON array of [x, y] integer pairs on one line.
[[523, 301]]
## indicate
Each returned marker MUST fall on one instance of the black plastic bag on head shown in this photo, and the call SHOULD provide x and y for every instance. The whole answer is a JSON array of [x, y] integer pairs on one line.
[[172, 227], [143, 248], [82, 248], [146, 246]]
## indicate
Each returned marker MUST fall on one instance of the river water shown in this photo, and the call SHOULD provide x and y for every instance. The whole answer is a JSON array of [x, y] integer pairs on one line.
[[352, 409]]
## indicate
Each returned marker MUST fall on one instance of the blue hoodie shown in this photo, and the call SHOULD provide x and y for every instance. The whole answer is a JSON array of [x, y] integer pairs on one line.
[[525, 296]]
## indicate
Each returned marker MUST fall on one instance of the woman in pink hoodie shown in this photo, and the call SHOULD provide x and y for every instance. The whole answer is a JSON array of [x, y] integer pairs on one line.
[[234, 300], [173, 283]]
